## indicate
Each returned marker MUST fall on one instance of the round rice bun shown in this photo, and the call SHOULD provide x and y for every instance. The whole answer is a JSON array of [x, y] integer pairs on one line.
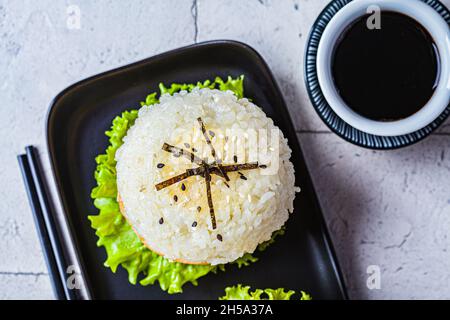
[[175, 221]]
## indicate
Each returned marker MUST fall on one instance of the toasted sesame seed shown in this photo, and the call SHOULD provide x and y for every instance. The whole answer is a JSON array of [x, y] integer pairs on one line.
[[219, 237], [194, 224], [175, 198], [161, 221], [183, 187], [160, 165], [199, 208]]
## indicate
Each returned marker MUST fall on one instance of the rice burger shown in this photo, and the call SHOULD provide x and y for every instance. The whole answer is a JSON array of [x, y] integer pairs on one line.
[[191, 184]]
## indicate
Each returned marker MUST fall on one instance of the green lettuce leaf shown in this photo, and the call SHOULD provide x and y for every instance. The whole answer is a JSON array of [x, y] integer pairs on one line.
[[122, 245], [241, 292], [234, 85], [305, 296]]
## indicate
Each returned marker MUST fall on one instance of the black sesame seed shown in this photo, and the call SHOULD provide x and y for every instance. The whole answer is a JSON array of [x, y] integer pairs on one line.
[[187, 145], [175, 198], [263, 166], [194, 150], [199, 208], [161, 221], [243, 177], [219, 237], [194, 224], [235, 159], [183, 187], [160, 165], [211, 133]]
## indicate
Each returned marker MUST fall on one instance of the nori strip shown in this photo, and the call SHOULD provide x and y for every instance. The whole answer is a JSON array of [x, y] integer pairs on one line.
[[208, 194], [213, 151], [200, 171]]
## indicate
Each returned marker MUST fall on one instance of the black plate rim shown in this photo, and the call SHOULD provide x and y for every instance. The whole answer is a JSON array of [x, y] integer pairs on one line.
[[327, 114], [287, 118]]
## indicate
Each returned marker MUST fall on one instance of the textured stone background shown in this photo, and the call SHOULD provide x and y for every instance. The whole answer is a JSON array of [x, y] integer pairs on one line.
[[390, 209]]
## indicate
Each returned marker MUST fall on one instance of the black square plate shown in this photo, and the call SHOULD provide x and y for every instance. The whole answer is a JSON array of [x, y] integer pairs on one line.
[[302, 259]]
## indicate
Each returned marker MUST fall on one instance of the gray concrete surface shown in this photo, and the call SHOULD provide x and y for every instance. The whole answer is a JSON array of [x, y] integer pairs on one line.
[[389, 209]]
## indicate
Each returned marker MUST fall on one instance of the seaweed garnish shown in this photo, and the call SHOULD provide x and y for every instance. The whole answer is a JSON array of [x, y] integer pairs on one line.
[[204, 169], [213, 151]]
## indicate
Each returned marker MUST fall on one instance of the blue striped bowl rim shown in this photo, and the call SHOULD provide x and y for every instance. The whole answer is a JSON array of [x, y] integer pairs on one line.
[[326, 113]]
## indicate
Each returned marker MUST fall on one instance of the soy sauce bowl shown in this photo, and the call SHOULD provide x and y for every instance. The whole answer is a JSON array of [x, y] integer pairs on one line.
[[329, 26]]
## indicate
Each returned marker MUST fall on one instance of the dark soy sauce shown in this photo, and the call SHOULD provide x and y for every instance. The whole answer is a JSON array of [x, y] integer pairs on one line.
[[386, 74]]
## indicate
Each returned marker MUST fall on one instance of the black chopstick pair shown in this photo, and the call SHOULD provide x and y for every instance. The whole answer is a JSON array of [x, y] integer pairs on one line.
[[43, 213]]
